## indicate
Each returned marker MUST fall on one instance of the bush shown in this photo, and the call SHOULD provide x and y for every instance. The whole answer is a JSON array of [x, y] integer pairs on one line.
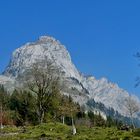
[[137, 132]]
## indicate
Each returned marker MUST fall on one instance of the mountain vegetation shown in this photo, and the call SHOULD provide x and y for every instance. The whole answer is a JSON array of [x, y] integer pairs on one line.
[[19, 118]]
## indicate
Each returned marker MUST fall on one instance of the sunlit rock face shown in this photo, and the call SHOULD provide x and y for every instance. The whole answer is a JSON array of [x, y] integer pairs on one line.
[[80, 87], [8, 82]]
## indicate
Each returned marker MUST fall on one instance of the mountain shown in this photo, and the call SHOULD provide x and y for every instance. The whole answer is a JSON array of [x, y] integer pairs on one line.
[[80, 87]]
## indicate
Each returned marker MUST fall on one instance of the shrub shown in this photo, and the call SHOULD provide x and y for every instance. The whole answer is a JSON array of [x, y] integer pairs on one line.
[[137, 132]]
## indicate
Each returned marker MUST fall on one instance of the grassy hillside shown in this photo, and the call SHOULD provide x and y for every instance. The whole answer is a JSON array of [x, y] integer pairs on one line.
[[57, 131]]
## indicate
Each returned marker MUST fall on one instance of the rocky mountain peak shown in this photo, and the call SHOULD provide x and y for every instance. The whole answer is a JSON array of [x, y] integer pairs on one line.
[[81, 88], [46, 48]]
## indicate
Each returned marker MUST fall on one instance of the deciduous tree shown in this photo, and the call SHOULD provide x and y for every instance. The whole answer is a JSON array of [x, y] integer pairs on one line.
[[132, 108], [43, 83]]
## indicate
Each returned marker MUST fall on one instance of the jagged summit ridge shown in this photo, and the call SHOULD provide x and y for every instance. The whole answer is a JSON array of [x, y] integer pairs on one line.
[[81, 88], [47, 39]]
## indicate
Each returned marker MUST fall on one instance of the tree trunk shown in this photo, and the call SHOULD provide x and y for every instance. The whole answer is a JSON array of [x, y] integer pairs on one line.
[[1, 118], [72, 121], [41, 117], [132, 121], [63, 119], [73, 127], [40, 113]]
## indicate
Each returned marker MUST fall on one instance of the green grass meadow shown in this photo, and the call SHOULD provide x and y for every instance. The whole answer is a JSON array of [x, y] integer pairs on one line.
[[58, 131]]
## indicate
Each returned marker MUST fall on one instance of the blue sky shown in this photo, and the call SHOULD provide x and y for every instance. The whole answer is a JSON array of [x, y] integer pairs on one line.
[[101, 35]]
